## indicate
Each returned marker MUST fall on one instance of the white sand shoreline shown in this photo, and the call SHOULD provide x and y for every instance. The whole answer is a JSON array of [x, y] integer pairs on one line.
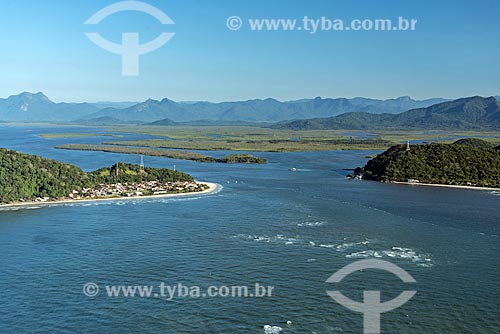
[[213, 187], [447, 186]]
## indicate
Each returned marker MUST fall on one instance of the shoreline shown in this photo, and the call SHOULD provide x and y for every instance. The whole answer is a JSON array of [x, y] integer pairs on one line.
[[213, 187], [447, 186]]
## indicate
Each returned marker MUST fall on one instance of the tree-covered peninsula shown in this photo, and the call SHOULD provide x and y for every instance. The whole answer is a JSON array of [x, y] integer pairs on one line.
[[28, 178], [467, 162]]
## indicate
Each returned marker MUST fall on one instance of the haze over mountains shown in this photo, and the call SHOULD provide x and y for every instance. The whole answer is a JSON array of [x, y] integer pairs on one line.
[[306, 114], [268, 110], [473, 113], [29, 107]]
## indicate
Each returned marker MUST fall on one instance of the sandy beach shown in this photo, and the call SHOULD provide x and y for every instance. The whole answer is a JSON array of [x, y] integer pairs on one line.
[[213, 187], [448, 186]]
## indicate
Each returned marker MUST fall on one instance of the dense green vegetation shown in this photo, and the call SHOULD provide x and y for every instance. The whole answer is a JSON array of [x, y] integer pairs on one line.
[[474, 142], [242, 159], [173, 154], [452, 164], [121, 173], [28, 177]]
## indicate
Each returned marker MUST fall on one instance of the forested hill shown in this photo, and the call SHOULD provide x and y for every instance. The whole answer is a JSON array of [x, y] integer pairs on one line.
[[459, 163], [28, 177], [473, 113]]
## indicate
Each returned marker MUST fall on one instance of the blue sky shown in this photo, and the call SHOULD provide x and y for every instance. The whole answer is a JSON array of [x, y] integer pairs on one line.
[[454, 52]]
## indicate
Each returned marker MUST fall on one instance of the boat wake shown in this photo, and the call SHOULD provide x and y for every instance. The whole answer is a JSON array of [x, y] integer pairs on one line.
[[398, 253], [352, 250], [311, 224]]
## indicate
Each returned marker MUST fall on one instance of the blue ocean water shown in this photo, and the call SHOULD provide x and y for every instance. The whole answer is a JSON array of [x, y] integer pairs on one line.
[[290, 230]]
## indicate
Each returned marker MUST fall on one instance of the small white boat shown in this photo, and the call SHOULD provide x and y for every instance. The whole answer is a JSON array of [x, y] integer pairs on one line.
[[293, 169]]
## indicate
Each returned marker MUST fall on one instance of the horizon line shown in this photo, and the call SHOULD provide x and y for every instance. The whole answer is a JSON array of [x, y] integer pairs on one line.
[[252, 99]]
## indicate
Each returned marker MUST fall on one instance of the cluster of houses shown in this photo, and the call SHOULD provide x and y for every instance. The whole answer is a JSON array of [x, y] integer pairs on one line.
[[136, 189]]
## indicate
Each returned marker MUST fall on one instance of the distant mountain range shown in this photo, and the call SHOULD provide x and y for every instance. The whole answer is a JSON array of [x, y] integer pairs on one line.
[[318, 113], [119, 105], [268, 110], [29, 107], [473, 113]]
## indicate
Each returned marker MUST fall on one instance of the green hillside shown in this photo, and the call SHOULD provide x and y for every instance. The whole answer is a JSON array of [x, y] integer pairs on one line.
[[452, 164], [121, 172], [28, 177], [474, 142], [473, 113]]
